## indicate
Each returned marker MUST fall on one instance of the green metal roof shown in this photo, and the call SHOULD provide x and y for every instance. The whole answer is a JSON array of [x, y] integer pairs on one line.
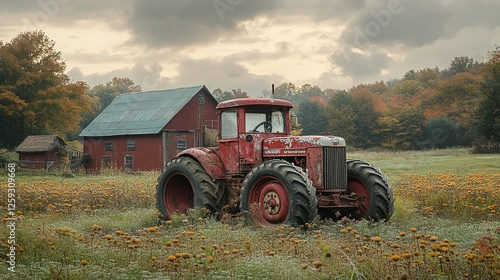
[[140, 112]]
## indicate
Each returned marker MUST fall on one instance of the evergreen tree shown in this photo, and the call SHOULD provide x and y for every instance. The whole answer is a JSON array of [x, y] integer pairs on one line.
[[487, 116], [441, 132], [312, 118]]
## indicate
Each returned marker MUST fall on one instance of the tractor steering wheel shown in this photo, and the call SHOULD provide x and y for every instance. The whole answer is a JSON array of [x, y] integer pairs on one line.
[[268, 126]]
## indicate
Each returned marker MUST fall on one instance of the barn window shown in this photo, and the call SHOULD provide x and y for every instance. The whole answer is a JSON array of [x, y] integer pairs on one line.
[[201, 99], [181, 144], [108, 145], [128, 161], [131, 145]]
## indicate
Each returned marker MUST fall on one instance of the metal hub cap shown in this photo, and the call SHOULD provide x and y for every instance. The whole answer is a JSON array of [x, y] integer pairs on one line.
[[272, 199], [272, 203]]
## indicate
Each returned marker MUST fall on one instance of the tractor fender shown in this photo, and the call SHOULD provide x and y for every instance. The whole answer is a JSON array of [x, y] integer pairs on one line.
[[208, 159]]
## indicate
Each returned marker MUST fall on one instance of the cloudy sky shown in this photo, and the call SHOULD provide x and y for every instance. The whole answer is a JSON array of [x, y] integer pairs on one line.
[[250, 44]]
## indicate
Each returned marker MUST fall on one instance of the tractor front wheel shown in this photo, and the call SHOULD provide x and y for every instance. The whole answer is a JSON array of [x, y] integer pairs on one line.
[[277, 192], [373, 188], [185, 185]]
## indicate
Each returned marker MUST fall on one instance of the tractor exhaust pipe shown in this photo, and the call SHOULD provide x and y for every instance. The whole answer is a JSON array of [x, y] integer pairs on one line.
[[272, 91]]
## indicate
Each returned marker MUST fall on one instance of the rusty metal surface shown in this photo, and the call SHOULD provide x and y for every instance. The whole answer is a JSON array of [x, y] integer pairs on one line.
[[303, 151], [314, 166], [233, 186], [253, 102], [298, 145], [338, 199], [209, 159], [229, 153]]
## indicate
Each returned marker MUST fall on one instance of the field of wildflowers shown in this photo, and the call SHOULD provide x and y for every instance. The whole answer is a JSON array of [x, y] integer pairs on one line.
[[446, 226], [475, 196]]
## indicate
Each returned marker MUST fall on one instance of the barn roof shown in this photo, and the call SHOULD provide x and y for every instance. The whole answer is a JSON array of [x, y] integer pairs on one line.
[[141, 112], [40, 143]]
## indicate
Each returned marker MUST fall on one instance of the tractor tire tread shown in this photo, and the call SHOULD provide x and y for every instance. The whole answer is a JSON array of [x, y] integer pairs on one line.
[[382, 200], [210, 193], [300, 189]]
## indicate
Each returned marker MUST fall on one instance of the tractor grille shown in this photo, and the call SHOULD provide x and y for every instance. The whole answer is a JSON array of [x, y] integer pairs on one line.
[[334, 168]]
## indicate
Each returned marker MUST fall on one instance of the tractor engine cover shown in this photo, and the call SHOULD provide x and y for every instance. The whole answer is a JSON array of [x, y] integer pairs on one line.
[[323, 158]]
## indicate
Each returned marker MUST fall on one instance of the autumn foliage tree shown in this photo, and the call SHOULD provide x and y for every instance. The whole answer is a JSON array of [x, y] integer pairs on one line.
[[36, 96]]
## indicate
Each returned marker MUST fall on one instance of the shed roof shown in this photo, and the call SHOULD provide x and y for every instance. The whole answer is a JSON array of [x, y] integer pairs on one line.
[[40, 143], [136, 113]]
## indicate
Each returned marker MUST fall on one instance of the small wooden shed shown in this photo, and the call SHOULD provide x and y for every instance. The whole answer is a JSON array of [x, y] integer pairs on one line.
[[41, 151]]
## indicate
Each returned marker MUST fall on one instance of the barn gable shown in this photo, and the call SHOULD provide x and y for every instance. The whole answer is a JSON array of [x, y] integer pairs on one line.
[[141, 113]]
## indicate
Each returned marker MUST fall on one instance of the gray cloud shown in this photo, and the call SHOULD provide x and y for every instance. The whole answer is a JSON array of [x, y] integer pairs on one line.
[[282, 50], [65, 13], [359, 65], [391, 37], [416, 23], [480, 13], [406, 22], [105, 56], [405, 28], [338, 11], [225, 74], [175, 23], [147, 75]]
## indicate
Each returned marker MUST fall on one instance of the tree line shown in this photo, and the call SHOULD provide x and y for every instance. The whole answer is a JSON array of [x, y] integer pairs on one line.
[[426, 108]]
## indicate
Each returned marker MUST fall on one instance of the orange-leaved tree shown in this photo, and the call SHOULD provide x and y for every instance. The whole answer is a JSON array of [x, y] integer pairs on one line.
[[36, 96]]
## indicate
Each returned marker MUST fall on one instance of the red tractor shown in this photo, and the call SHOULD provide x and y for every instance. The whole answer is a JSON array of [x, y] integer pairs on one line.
[[270, 176]]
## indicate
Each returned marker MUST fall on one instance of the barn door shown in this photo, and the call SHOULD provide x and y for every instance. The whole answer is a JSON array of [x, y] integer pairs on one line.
[[175, 142]]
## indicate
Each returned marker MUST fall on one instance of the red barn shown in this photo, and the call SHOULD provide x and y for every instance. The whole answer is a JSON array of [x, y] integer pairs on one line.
[[41, 151], [144, 130]]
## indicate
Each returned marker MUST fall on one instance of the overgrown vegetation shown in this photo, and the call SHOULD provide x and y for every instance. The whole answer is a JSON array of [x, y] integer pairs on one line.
[[6, 157], [446, 226]]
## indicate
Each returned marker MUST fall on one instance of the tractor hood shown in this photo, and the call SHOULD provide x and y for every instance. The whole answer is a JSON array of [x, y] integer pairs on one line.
[[298, 145]]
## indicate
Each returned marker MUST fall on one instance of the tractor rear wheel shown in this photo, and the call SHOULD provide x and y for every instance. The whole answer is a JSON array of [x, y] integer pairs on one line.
[[373, 186], [275, 192], [185, 185]]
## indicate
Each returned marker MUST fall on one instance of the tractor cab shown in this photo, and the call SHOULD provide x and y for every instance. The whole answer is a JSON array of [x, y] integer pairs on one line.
[[244, 124]]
